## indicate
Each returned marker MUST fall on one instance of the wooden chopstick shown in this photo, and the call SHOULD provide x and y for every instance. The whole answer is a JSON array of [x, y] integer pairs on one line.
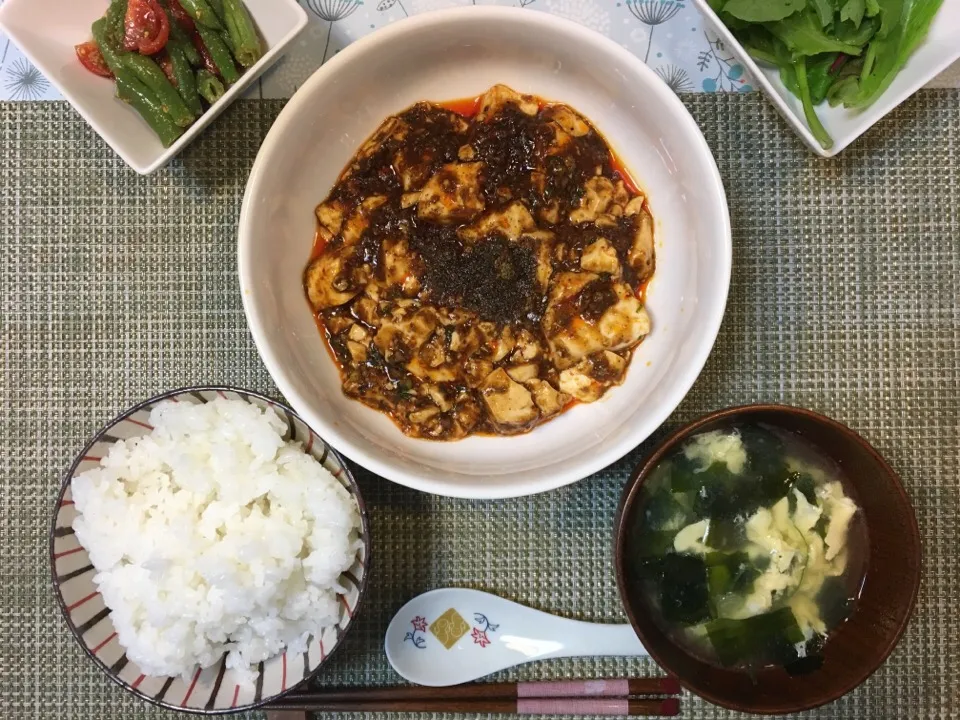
[[499, 691], [558, 697], [623, 707]]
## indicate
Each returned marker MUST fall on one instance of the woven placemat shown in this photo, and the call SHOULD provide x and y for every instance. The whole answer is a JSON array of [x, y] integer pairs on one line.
[[114, 287]]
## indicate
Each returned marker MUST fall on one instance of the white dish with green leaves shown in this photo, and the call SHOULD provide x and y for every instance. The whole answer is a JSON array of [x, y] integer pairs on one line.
[[889, 48]]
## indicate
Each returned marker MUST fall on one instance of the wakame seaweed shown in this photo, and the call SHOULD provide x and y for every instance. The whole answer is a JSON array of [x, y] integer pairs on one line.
[[724, 534], [663, 511], [772, 636], [835, 601], [681, 582]]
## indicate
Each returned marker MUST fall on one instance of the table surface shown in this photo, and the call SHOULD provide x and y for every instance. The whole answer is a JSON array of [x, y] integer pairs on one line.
[[669, 35], [844, 299]]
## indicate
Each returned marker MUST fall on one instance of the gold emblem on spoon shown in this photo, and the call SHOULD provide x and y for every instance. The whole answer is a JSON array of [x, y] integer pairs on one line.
[[449, 628]]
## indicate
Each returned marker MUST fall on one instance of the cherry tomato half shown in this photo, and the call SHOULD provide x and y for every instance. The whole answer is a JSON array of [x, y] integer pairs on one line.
[[146, 27], [92, 60]]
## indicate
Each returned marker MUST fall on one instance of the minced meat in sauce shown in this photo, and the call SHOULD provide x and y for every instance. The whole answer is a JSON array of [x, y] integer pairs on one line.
[[481, 272]]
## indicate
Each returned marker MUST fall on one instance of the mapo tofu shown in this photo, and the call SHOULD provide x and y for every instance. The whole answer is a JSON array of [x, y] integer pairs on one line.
[[481, 272]]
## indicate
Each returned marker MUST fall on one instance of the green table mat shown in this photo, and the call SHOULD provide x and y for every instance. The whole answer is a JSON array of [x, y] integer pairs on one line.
[[844, 299]]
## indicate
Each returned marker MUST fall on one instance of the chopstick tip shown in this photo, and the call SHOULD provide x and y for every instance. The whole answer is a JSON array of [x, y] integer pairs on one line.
[[670, 686], [670, 707]]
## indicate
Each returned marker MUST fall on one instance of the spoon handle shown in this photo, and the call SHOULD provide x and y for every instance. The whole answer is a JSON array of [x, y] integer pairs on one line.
[[582, 639]]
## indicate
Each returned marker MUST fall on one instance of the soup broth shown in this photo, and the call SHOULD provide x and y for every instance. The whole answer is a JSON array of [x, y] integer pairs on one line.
[[752, 549]]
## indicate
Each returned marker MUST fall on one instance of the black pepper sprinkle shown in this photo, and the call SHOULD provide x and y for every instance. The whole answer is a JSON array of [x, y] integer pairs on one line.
[[495, 278]]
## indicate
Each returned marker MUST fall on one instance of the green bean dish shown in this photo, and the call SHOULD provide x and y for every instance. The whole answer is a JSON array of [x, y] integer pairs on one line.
[[172, 58]]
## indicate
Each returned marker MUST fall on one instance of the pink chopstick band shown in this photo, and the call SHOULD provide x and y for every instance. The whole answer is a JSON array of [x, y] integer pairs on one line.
[[574, 688], [573, 706]]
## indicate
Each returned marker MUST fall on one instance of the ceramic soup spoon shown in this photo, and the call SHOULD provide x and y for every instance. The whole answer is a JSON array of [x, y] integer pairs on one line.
[[452, 636]]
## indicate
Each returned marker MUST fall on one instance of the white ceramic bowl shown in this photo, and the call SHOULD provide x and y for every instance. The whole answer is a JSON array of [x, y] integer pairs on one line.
[[936, 54], [453, 54], [214, 690], [49, 44]]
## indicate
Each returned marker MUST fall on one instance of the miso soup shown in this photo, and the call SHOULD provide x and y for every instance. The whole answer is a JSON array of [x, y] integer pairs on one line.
[[752, 549]]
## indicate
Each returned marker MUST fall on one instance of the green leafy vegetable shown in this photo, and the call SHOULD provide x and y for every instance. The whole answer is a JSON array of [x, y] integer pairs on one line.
[[919, 17], [788, 76], [820, 75], [813, 43], [804, 36], [890, 13], [760, 53], [853, 10], [825, 11], [763, 10], [847, 83], [849, 33]]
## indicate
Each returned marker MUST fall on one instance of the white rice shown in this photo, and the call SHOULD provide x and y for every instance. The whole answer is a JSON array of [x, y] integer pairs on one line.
[[212, 534]]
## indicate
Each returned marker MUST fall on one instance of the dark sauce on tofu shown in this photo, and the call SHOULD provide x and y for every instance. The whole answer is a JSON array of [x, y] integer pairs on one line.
[[480, 266]]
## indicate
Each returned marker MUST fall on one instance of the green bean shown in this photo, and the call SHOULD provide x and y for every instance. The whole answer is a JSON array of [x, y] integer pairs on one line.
[[245, 41], [139, 97], [209, 86], [202, 13], [178, 34], [114, 29], [217, 6], [220, 54], [193, 55], [186, 80], [150, 74], [101, 37], [228, 41]]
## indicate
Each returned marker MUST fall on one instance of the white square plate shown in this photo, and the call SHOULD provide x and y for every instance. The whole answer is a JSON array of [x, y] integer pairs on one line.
[[47, 31], [935, 55]]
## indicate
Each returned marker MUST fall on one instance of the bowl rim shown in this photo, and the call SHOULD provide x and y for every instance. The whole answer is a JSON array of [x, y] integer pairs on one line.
[[641, 473], [365, 535], [477, 489]]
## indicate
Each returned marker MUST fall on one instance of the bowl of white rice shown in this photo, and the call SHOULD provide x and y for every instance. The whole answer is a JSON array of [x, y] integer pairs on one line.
[[209, 550]]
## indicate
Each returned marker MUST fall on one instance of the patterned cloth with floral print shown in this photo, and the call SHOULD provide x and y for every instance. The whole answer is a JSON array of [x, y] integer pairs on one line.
[[669, 35]]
